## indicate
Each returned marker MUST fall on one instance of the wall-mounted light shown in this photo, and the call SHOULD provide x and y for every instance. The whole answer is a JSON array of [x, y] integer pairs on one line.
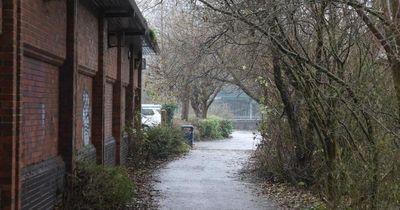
[[144, 63], [129, 54], [140, 61], [137, 63], [112, 40]]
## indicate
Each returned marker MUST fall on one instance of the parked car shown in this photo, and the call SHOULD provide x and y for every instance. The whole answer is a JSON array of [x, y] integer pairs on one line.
[[151, 115]]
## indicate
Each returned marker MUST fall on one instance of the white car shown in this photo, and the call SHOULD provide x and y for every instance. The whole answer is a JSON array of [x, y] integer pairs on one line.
[[151, 115]]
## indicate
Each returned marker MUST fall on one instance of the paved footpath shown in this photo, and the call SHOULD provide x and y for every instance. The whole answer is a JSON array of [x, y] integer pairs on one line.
[[207, 178]]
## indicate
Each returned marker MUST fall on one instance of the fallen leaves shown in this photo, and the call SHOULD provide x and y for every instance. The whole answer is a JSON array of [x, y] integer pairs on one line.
[[143, 177], [288, 196]]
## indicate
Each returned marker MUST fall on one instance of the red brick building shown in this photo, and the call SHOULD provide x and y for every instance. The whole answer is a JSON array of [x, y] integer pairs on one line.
[[70, 77]]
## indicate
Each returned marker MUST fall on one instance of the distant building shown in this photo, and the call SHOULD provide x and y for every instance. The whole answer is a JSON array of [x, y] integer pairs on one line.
[[70, 75], [232, 103]]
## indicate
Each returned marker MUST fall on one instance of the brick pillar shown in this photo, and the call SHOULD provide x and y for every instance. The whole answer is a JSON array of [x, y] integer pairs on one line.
[[117, 105], [99, 85], [68, 78], [130, 92], [138, 91], [140, 79], [10, 57]]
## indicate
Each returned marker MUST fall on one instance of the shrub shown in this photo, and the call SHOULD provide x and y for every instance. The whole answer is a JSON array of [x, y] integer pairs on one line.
[[226, 127], [210, 128], [98, 187], [214, 128], [164, 142], [155, 144], [153, 36], [170, 108], [137, 142]]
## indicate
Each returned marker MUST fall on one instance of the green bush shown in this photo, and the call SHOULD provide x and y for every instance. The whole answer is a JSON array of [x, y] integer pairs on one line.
[[98, 187], [214, 128], [164, 142], [137, 142], [226, 128], [153, 35], [209, 128], [170, 108]]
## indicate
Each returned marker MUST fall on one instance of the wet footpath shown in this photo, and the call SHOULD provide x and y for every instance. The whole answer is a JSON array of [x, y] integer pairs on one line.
[[208, 178]]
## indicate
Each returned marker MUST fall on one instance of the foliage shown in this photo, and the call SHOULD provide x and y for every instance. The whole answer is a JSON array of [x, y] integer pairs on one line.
[[183, 71], [221, 110], [153, 36], [226, 128], [137, 144], [214, 128], [203, 93], [328, 76], [210, 128], [170, 108], [98, 187], [163, 143], [157, 144]]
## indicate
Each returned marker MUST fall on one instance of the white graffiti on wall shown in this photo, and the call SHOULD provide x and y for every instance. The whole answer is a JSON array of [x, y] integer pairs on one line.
[[43, 115], [86, 118]]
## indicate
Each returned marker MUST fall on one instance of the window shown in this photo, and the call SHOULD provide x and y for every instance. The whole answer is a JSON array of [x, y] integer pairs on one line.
[[147, 112]]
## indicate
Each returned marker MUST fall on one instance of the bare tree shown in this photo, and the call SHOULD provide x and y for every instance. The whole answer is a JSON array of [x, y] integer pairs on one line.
[[185, 69], [331, 80]]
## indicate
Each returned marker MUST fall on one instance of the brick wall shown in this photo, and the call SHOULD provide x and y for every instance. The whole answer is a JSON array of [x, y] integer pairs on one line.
[[125, 65], [130, 102], [108, 110], [87, 154], [99, 81], [44, 25], [42, 184], [111, 64], [109, 147], [39, 126], [1, 30], [87, 39], [84, 84], [135, 75], [121, 143], [41, 120], [123, 109], [124, 152], [44, 40], [110, 152], [8, 106], [1, 20], [125, 74]]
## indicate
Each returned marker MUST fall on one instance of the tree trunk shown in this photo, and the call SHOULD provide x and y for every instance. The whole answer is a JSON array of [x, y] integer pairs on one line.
[[291, 111], [395, 63], [185, 108], [197, 111], [396, 80], [205, 110], [196, 106]]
